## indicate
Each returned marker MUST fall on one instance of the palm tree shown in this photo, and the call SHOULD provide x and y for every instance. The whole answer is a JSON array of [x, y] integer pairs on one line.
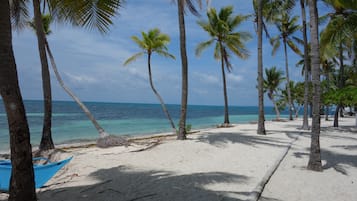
[[315, 154], [86, 13], [305, 122], [46, 139], [22, 185], [272, 81], [221, 28], [287, 27], [151, 42], [338, 34], [261, 119], [181, 135]]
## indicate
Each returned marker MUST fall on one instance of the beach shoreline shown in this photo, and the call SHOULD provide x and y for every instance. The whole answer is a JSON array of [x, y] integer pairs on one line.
[[213, 164]]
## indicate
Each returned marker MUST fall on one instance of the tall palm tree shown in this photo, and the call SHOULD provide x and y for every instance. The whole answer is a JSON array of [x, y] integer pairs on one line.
[[181, 4], [22, 186], [46, 139], [221, 28], [305, 122], [315, 153], [273, 79], [287, 26], [261, 118], [153, 42]]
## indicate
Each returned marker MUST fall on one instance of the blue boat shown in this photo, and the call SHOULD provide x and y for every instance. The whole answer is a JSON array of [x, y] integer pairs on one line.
[[43, 172]]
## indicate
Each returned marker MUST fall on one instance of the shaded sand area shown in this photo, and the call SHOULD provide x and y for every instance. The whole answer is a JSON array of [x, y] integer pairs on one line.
[[215, 164], [338, 181]]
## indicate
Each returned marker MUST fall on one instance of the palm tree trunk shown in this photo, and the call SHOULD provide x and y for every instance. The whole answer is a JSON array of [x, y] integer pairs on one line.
[[226, 114], [305, 122], [159, 97], [276, 109], [184, 65], [340, 85], [315, 154], [100, 130], [22, 185], [288, 81], [46, 140], [328, 87], [335, 117], [261, 118]]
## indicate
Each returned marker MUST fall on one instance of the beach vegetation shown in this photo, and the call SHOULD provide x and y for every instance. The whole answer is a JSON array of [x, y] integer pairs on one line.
[[221, 29], [338, 39], [153, 42]]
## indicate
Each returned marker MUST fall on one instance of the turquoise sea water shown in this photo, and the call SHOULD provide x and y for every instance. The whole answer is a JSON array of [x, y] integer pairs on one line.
[[70, 124]]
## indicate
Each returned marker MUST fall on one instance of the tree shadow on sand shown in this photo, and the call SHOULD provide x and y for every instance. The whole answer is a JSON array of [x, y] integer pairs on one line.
[[222, 139], [124, 184], [339, 162]]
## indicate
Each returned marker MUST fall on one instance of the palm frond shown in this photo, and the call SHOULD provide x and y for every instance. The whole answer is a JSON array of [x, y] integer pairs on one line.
[[165, 54], [133, 58], [19, 14], [202, 46]]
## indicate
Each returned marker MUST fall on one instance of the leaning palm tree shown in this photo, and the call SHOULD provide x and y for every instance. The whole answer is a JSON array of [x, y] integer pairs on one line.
[[87, 13], [153, 42], [287, 26], [315, 153], [221, 28], [22, 185], [273, 79]]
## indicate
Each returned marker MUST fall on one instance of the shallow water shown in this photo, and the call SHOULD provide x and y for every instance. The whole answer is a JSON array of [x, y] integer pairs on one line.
[[71, 124]]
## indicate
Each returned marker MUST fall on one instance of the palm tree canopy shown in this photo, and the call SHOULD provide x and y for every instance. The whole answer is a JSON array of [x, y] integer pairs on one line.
[[152, 41], [92, 14], [221, 28], [287, 26], [273, 79], [46, 22]]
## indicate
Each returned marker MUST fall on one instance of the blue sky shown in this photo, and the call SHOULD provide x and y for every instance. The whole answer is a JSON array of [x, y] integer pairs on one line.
[[91, 64]]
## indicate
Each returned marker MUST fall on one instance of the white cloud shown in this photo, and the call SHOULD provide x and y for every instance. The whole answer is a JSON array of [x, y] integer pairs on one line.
[[234, 78]]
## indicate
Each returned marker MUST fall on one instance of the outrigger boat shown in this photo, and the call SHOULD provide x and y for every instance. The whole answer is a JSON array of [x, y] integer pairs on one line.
[[43, 172]]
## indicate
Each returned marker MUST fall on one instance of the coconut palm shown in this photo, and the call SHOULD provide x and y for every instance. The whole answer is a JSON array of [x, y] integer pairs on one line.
[[273, 79], [263, 9], [287, 26], [305, 122], [181, 4], [22, 185], [153, 42], [315, 153], [46, 140], [259, 15], [86, 13], [221, 28], [340, 33]]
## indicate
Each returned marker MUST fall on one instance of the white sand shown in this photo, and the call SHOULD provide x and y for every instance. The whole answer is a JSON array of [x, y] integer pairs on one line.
[[216, 164], [338, 181]]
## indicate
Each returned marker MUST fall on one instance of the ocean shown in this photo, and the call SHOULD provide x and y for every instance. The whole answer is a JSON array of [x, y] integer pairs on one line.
[[70, 124]]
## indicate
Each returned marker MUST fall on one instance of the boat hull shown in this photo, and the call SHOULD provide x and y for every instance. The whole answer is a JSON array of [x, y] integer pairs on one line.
[[43, 173]]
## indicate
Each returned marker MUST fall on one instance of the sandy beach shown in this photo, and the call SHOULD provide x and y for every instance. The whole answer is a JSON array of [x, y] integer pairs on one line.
[[214, 164]]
